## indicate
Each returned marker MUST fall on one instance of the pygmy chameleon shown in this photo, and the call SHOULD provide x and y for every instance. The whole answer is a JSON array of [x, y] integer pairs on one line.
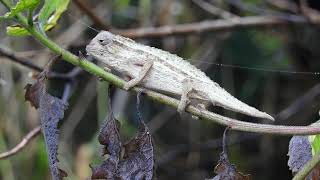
[[163, 72]]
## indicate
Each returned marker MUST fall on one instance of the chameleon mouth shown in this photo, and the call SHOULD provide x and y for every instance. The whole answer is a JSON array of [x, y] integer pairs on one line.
[[89, 48]]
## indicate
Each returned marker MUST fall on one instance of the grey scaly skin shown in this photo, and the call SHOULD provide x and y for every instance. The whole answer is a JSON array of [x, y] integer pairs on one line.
[[163, 72]]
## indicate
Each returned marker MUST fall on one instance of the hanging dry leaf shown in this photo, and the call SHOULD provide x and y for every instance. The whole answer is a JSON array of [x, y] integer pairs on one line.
[[224, 169], [32, 93], [137, 162], [138, 159], [109, 137], [107, 170], [300, 152], [51, 110], [227, 171]]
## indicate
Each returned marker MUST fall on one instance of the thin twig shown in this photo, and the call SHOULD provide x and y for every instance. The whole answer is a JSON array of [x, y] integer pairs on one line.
[[299, 103], [263, 10], [91, 14], [214, 10], [278, 18], [284, 5], [32, 134], [209, 25], [27, 63], [312, 14]]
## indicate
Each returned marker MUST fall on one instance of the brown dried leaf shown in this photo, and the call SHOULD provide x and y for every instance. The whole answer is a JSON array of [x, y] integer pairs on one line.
[[107, 170], [109, 137], [51, 110], [227, 171], [138, 159], [137, 162], [300, 152], [32, 93], [224, 169]]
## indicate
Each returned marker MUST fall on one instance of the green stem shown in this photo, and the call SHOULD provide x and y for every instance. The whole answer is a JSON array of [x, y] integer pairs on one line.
[[158, 97], [30, 17], [307, 168]]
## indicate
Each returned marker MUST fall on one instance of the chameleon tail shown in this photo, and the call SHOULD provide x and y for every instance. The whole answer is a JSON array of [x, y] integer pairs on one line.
[[227, 101]]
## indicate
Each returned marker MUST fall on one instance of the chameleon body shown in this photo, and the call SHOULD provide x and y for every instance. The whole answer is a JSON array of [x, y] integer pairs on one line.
[[164, 72]]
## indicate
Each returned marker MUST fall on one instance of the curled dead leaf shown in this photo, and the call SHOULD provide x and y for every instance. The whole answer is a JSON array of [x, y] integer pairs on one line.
[[51, 110], [224, 169], [109, 137], [138, 159]]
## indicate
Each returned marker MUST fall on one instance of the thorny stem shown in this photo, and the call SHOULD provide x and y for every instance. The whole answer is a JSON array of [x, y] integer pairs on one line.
[[225, 121]]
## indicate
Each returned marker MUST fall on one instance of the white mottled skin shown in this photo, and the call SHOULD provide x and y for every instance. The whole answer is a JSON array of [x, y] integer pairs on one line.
[[167, 74]]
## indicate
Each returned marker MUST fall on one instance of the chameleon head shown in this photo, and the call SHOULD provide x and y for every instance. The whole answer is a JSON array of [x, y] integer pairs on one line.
[[99, 45], [108, 48]]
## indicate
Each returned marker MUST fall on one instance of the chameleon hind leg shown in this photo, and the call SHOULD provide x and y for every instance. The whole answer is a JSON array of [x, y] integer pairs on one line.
[[187, 88], [135, 81]]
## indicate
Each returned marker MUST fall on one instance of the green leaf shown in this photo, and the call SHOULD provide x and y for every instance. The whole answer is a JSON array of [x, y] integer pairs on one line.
[[51, 6], [21, 6], [49, 22], [52, 21], [48, 8], [17, 31], [315, 143], [51, 12]]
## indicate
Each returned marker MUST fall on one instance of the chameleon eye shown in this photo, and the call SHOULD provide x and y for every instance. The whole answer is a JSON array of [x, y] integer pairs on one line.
[[104, 42]]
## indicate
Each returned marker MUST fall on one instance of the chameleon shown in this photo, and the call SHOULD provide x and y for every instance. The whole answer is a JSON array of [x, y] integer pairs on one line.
[[163, 72]]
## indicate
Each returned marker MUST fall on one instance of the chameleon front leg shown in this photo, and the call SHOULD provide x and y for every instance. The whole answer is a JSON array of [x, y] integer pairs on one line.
[[187, 87], [133, 82]]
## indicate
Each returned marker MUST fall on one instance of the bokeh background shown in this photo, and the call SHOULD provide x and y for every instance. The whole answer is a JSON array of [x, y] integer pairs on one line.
[[263, 67]]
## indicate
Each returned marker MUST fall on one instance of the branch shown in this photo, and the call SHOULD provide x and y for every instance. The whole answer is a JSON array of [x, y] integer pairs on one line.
[[26, 62], [101, 73], [91, 14], [32, 134], [286, 5], [214, 10], [210, 25], [299, 103], [307, 168], [6, 53], [312, 14]]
